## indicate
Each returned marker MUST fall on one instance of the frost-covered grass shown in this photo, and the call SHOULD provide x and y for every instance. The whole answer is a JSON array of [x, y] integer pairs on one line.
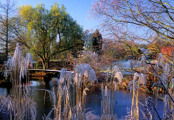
[[19, 107], [69, 100], [73, 101], [20, 104]]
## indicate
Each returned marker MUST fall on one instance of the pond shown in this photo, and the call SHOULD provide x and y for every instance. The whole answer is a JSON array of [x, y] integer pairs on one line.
[[126, 65], [93, 100]]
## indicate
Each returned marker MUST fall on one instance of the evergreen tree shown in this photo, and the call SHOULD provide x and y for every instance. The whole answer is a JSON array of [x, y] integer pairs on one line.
[[97, 42]]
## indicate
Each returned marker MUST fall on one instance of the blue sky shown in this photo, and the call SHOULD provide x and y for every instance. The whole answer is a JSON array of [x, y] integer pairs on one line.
[[78, 9]]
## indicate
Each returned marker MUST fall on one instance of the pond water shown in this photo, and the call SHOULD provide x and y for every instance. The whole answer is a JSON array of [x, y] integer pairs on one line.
[[126, 65], [93, 100]]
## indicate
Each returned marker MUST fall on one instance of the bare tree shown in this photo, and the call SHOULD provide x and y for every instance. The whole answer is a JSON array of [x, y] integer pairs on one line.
[[154, 15], [7, 9]]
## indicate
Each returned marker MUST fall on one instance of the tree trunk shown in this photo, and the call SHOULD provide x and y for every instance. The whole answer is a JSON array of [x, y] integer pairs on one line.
[[6, 35], [60, 40], [48, 64], [43, 64]]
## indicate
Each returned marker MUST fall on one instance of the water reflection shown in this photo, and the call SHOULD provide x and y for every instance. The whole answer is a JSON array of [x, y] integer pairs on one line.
[[122, 100], [37, 83], [3, 91]]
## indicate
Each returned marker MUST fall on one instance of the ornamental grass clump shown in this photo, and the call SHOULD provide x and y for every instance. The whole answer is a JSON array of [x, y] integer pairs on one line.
[[18, 107], [17, 66], [62, 104], [69, 102], [138, 79], [20, 104], [107, 104], [83, 76], [106, 108], [114, 78], [84, 73], [117, 74]]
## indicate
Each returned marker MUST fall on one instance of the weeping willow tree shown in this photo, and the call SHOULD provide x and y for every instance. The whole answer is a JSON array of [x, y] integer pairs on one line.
[[49, 32]]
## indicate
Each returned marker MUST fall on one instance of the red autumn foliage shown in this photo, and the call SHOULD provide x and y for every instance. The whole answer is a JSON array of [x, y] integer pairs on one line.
[[168, 51]]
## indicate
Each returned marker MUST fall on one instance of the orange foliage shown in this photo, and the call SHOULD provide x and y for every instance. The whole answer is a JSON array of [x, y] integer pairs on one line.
[[167, 51]]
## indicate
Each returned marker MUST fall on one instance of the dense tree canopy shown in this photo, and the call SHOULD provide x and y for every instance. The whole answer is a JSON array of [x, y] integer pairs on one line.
[[49, 32]]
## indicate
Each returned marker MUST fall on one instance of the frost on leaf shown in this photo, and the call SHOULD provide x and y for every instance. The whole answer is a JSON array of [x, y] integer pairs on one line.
[[29, 60], [84, 91], [23, 69], [90, 116], [84, 71], [64, 76], [8, 66], [117, 74], [137, 79], [115, 69], [142, 79], [18, 64]]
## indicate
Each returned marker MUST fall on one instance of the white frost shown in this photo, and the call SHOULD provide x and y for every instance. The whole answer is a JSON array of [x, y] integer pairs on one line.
[[18, 64], [117, 73], [142, 79], [137, 79], [84, 71], [64, 76]]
